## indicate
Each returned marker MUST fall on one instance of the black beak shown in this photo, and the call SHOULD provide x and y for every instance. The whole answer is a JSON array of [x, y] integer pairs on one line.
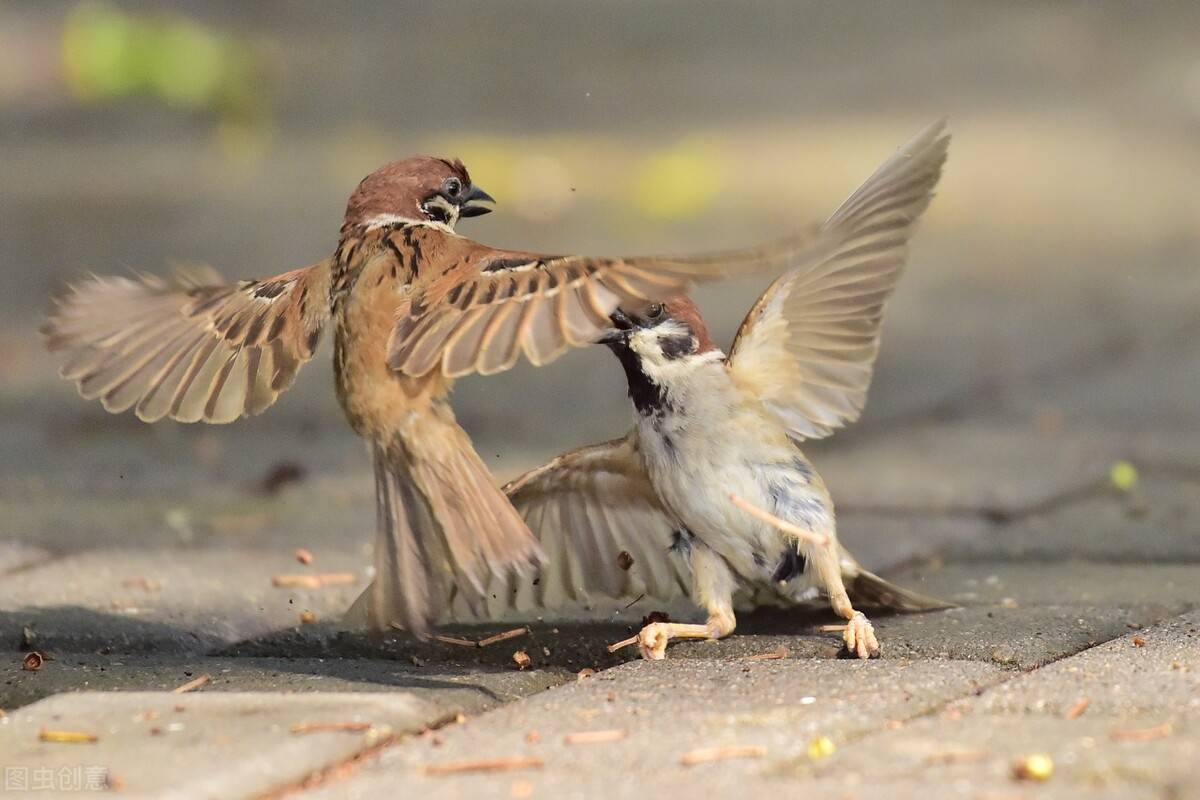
[[622, 326], [466, 209]]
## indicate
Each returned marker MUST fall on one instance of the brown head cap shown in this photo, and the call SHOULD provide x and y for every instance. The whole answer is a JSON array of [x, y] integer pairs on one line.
[[682, 309], [400, 187]]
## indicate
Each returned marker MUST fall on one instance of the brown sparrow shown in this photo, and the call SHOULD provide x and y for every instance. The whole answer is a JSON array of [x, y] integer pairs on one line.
[[710, 496], [413, 305]]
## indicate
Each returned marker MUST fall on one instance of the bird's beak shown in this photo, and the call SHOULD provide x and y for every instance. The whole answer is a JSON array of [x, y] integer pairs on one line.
[[468, 209], [622, 326]]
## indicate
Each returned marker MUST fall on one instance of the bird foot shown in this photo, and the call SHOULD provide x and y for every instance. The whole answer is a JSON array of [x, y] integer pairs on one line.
[[859, 636], [652, 641]]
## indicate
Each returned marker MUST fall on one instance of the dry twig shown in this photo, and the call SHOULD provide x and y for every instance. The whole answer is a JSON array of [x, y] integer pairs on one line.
[[782, 652], [596, 737], [321, 727], [502, 637], [315, 581], [1075, 711], [454, 640], [194, 683], [485, 765], [1142, 734], [705, 755], [67, 737]]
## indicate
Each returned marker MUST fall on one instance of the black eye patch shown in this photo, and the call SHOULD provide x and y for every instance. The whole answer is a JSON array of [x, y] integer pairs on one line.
[[436, 212], [677, 346]]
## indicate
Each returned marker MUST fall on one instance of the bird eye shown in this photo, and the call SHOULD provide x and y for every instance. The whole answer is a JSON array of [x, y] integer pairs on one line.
[[654, 312], [452, 186]]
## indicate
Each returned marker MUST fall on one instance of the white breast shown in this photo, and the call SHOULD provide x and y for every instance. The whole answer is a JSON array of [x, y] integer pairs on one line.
[[709, 443]]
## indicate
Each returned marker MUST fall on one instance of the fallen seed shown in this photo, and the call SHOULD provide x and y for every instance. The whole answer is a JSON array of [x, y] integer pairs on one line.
[[1139, 641], [195, 683], [485, 765], [820, 747], [67, 737], [33, 661], [1076, 710], [502, 637], [586, 672], [1142, 734], [304, 556], [521, 659], [307, 618], [320, 727], [1036, 767], [706, 755], [596, 737], [624, 560]]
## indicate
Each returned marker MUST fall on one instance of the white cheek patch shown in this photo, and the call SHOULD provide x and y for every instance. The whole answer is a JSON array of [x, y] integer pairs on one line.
[[450, 210]]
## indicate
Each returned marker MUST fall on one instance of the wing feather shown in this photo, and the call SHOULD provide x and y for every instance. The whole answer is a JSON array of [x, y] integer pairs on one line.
[[586, 507], [808, 346], [194, 348]]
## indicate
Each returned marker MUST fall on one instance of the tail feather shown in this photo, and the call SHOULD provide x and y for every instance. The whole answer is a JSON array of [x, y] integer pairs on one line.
[[868, 589], [443, 529]]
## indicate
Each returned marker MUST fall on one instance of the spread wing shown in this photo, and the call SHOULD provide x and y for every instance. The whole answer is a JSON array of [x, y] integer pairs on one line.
[[192, 348], [492, 306], [603, 531], [808, 345]]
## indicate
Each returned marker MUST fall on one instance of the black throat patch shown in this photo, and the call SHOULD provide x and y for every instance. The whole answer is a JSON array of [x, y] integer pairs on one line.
[[647, 396]]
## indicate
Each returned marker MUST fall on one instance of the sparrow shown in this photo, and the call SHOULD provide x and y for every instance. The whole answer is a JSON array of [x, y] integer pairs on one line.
[[413, 305], [710, 496]]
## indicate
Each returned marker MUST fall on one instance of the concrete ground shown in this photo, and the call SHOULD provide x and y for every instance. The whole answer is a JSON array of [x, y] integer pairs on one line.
[[1043, 343]]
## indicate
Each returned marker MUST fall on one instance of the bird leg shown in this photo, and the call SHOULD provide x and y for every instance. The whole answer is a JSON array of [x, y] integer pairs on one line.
[[822, 552], [712, 586], [859, 634]]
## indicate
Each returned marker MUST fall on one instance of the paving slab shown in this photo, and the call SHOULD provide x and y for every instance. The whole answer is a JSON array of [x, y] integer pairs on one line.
[[182, 600], [1152, 673], [973, 756], [451, 689], [998, 466], [666, 709], [1121, 719], [19, 555], [1159, 522], [202, 745], [1016, 615], [191, 511]]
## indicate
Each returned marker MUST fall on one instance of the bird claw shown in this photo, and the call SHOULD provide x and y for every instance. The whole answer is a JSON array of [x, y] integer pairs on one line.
[[859, 636], [652, 641]]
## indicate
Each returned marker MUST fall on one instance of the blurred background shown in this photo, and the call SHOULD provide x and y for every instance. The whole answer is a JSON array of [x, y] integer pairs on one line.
[[1057, 266]]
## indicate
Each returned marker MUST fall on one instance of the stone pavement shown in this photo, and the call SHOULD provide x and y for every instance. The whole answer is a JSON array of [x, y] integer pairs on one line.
[[149, 559], [1074, 637], [1045, 332]]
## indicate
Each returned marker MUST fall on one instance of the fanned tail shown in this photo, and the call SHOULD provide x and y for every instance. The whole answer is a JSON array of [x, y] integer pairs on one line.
[[868, 589], [443, 528]]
